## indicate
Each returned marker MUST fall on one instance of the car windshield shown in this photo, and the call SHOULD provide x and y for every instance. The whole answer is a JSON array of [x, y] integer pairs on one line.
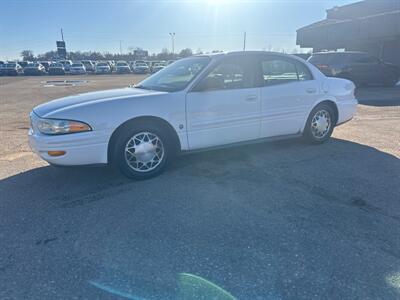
[[176, 76], [141, 65], [57, 65], [32, 65], [122, 64], [102, 65], [76, 65], [10, 65]]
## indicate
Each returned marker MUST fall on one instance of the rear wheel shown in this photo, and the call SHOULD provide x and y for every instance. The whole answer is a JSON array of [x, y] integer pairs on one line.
[[320, 124], [143, 151]]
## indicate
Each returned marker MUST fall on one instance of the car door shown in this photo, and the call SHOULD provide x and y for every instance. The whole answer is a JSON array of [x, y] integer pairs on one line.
[[287, 95], [224, 107]]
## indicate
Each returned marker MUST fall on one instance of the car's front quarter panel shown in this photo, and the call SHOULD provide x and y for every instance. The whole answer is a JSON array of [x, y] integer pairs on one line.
[[104, 117]]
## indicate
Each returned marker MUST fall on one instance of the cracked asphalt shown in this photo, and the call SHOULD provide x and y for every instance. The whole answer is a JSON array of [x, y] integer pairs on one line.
[[282, 220]]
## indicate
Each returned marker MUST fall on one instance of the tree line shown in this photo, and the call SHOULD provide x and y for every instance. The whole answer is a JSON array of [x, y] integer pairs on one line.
[[165, 54]]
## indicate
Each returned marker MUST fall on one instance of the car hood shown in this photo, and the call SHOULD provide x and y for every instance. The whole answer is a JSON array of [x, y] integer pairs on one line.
[[52, 107]]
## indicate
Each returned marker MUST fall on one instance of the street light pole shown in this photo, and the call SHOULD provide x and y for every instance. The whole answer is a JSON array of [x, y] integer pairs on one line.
[[172, 34]]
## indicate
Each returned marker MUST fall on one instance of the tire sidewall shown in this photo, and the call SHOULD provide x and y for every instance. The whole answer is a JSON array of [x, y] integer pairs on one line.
[[308, 132], [119, 150]]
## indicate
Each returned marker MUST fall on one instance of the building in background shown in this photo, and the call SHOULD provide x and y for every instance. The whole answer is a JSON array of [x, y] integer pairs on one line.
[[372, 26]]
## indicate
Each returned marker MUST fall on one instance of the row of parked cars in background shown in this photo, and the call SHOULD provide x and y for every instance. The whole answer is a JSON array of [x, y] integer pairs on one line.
[[63, 67], [358, 67]]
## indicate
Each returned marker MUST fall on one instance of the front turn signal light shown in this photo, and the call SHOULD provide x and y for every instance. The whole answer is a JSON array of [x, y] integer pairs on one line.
[[56, 153]]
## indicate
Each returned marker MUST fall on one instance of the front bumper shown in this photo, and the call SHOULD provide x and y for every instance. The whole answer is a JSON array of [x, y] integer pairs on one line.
[[84, 148]]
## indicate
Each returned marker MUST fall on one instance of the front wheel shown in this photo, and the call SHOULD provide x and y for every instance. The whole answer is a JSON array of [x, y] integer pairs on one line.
[[320, 124], [142, 152]]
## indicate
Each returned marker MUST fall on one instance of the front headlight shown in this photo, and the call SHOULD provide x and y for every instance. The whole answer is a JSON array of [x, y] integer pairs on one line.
[[53, 127]]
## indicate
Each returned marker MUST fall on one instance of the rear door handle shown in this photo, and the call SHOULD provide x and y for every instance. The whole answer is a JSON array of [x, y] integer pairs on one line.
[[311, 90], [251, 98]]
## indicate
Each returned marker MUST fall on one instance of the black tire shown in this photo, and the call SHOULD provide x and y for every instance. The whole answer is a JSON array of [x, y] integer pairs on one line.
[[119, 155], [308, 132]]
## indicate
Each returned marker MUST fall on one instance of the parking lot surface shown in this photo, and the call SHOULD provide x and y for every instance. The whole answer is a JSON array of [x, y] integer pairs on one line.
[[282, 220]]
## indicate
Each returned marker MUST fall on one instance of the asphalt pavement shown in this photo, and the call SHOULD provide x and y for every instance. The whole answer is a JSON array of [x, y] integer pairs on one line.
[[282, 220]]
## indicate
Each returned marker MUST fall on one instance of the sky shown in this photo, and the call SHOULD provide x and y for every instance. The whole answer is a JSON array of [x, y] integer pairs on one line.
[[104, 25]]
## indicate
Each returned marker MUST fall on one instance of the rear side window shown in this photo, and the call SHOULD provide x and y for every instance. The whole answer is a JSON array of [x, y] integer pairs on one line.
[[303, 72], [364, 59], [329, 58], [279, 70]]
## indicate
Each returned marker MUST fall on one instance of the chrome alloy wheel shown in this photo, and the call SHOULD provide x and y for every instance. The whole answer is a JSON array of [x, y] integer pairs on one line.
[[321, 124], [144, 152]]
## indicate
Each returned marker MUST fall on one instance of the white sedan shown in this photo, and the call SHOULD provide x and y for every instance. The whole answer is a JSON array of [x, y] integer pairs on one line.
[[195, 103]]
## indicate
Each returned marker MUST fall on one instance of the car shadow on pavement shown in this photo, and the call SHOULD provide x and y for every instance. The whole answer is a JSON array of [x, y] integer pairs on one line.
[[281, 220]]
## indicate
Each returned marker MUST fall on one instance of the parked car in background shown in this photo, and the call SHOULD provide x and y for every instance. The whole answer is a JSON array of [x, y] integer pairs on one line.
[[304, 56], [34, 69], [358, 67], [103, 68], [67, 64], [140, 68], [56, 69], [45, 64], [89, 66], [23, 63], [152, 63], [1, 67], [122, 67], [12, 69], [195, 103], [157, 67], [111, 63], [77, 68]]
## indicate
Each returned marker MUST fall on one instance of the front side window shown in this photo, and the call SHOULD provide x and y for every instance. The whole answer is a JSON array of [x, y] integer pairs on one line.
[[232, 73]]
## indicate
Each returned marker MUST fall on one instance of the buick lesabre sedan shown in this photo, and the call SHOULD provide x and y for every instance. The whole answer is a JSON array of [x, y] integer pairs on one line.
[[195, 103]]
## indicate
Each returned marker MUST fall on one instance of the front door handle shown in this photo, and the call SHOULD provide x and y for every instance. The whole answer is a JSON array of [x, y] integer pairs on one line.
[[251, 98]]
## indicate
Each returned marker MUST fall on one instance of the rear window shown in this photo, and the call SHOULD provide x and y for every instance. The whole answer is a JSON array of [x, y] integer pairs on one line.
[[76, 65], [102, 65], [121, 64], [328, 58]]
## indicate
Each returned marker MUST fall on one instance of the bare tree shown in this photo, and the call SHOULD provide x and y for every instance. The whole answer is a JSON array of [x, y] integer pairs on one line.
[[186, 52], [27, 55]]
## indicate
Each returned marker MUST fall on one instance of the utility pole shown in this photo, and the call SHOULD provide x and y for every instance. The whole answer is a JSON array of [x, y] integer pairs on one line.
[[172, 34], [244, 41], [120, 47], [62, 35]]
